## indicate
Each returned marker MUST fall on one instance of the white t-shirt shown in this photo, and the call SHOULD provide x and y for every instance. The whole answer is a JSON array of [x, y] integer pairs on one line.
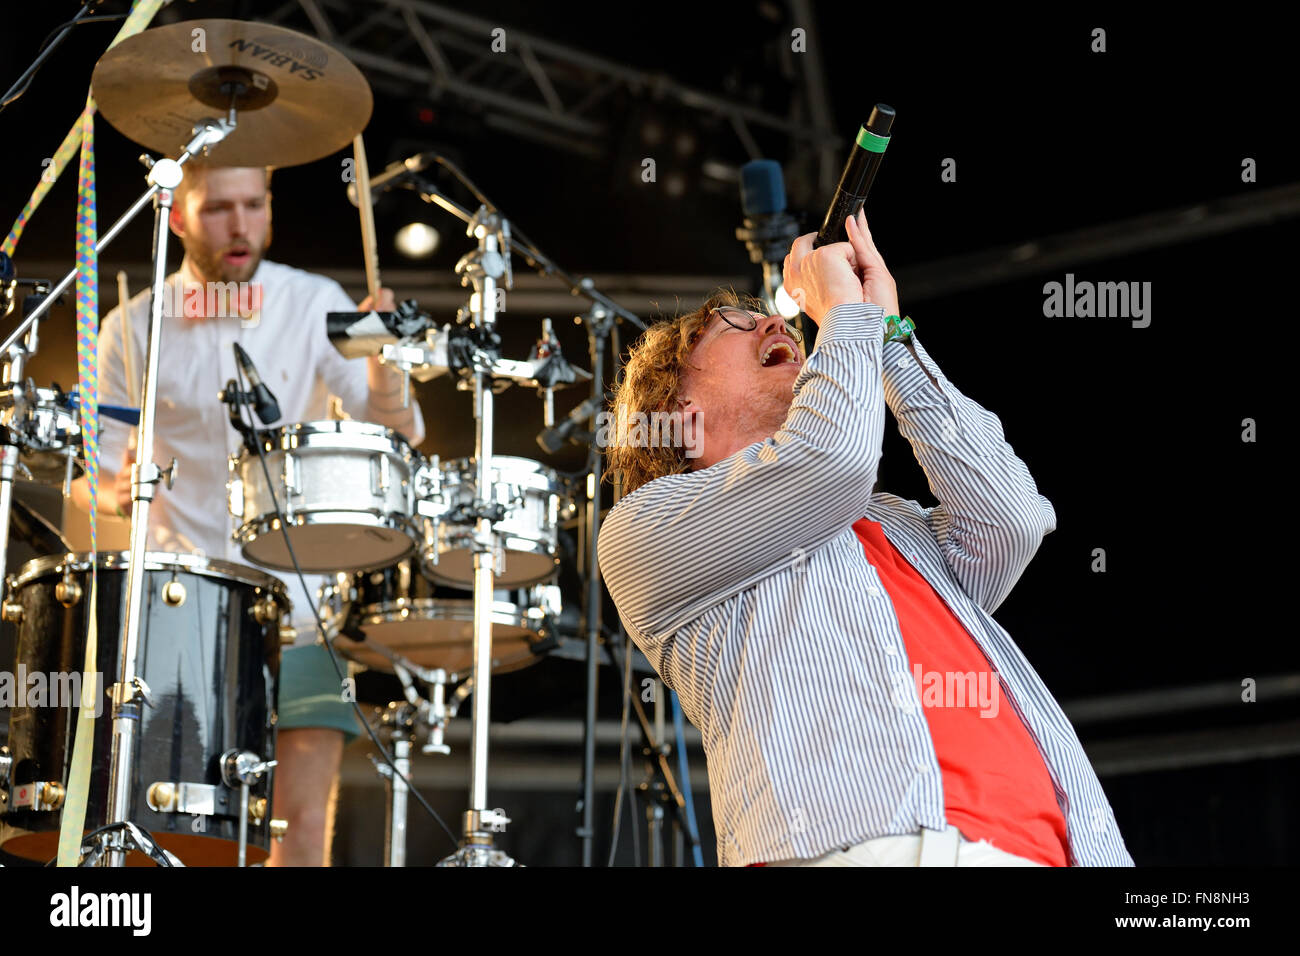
[[292, 353]]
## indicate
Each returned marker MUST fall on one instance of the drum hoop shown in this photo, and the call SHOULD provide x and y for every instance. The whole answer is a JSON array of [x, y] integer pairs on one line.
[[38, 568], [45, 398], [438, 604], [303, 432], [268, 525], [504, 465]]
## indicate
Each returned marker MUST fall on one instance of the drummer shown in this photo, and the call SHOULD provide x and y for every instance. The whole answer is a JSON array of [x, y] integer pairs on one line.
[[222, 216]]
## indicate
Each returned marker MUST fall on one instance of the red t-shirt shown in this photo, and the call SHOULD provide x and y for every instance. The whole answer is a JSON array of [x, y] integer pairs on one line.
[[996, 786]]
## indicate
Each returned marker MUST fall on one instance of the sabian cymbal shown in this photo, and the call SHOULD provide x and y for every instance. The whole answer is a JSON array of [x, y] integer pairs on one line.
[[296, 99]]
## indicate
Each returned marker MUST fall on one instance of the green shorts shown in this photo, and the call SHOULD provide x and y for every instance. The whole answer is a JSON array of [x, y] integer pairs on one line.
[[311, 694]]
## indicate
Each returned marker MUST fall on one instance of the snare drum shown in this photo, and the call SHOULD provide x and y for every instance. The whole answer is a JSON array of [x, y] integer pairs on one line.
[[531, 495], [400, 611], [209, 651], [345, 489]]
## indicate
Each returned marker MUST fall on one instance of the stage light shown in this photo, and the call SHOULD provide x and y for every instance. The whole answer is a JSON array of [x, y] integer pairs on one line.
[[784, 304], [417, 240]]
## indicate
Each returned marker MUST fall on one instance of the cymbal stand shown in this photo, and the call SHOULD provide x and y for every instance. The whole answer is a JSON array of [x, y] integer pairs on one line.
[[599, 321], [130, 692], [487, 269]]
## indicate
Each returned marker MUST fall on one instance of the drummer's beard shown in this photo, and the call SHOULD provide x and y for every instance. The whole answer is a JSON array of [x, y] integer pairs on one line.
[[211, 265]]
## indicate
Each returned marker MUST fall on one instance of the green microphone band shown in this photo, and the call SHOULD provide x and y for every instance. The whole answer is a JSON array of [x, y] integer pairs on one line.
[[872, 142]]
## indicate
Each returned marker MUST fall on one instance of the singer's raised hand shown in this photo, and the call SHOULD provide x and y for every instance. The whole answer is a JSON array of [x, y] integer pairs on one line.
[[820, 279], [878, 286]]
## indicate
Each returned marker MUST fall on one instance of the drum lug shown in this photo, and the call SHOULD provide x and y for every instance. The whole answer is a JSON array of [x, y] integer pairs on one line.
[[41, 795], [235, 497], [380, 474], [265, 611], [67, 592], [278, 829], [6, 766], [166, 796], [12, 612], [257, 808], [291, 477], [173, 593]]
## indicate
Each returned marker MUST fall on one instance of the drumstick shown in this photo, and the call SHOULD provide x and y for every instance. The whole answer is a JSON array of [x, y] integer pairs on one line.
[[128, 350], [365, 203], [128, 340]]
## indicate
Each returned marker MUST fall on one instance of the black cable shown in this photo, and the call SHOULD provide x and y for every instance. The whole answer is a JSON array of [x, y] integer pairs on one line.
[[160, 857], [48, 47], [320, 625], [624, 767], [618, 641]]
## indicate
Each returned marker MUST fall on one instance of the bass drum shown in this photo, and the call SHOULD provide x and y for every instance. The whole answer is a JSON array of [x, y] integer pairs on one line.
[[209, 652]]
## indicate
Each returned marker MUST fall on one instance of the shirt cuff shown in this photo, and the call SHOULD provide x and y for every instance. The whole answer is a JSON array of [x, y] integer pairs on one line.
[[905, 378], [857, 320]]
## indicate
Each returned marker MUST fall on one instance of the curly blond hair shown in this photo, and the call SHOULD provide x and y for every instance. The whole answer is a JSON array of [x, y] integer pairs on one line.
[[648, 383]]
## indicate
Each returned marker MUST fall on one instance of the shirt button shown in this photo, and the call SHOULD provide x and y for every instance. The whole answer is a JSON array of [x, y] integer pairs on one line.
[[873, 591], [889, 648], [922, 767], [902, 362]]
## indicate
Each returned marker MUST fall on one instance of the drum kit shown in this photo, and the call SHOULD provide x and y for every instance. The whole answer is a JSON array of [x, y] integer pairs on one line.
[[440, 573]]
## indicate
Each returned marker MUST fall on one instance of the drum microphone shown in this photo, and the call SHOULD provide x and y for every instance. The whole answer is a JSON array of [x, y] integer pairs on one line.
[[859, 172], [403, 167], [264, 403], [553, 439], [768, 229]]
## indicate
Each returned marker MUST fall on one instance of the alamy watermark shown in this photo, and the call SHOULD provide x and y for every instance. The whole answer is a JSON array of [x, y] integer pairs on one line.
[[1098, 300], [56, 689], [213, 300], [948, 689], [629, 429]]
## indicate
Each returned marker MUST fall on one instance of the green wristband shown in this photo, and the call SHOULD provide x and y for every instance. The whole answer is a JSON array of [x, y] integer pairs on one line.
[[899, 330]]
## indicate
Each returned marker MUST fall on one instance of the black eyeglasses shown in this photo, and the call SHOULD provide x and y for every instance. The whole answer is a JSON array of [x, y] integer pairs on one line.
[[746, 322]]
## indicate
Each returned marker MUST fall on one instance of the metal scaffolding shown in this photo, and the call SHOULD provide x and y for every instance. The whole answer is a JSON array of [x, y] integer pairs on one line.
[[537, 88]]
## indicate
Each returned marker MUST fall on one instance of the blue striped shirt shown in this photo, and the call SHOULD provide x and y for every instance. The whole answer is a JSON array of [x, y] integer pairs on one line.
[[746, 587]]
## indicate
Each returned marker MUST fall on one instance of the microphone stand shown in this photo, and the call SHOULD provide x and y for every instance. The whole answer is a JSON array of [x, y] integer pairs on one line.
[[598, 321]]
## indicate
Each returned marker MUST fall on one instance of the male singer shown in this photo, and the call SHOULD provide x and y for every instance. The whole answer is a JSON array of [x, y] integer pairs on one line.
[[858, 703]]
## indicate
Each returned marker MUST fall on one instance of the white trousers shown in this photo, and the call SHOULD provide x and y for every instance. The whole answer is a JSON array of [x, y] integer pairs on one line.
[[927, 848]]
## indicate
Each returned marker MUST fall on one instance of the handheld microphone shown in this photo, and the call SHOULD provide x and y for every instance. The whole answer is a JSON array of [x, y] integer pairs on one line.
[[859, 172], [403, 167], [264, 403]]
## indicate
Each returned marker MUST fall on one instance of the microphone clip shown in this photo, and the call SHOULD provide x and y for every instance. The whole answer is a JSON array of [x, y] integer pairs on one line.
[[234, 399]]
